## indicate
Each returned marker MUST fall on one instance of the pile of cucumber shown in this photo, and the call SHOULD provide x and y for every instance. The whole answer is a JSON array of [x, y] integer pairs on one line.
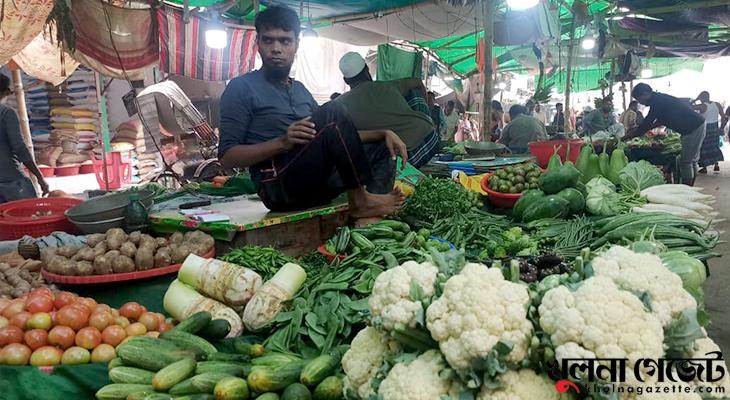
[[182, 364]]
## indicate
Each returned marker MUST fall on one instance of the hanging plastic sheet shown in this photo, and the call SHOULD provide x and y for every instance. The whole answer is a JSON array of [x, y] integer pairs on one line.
[[44, 59], [394, 63], [22, 21]]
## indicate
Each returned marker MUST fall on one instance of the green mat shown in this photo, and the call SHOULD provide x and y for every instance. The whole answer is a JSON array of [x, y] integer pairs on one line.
[[67, 382], [148, 292]]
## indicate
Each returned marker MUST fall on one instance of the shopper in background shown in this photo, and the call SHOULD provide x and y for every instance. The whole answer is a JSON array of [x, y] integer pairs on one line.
[[335, 95], [522, 130], [629, 118], [559, 118], [437, 114], [452, 121], [14, 185], [710, 152], [539, 114], [600, 118], [497, 125]]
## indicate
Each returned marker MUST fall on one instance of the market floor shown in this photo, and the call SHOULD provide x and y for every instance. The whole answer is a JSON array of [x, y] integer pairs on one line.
[[717, 287]]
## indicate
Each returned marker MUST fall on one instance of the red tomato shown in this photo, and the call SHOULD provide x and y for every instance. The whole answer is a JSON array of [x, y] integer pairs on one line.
[[88, 302], [75, 355], [88, 337], [4, 322], [102, 307], [103, 353], [36, 338], [13, 308], [131, 310], [149, 320], [113, 335], [40, 320], [121, 321], [4, 303], [152, 334], [72, 316], [64, 299], [15, 354], [101, 320], [10, 334], [164, 327], [160, 317], [82, 307], [42, 292], [21, 319], [62, 336], [46, 355], [136, 329], [40, 303]]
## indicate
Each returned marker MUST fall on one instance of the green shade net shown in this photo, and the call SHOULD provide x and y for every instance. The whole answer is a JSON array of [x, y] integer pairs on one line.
[[394, 63]]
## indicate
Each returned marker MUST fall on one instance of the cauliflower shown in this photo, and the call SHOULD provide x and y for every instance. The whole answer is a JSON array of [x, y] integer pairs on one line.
[[522, 385], [420, 379], [645, 273], [478, 309], [363, 360], [600, 320], [391, 302], [701, 348], [655, 391]]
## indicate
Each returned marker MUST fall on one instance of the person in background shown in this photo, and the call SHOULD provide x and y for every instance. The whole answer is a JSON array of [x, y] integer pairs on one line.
[[710, 152], [301, 155], [398, 106], [668, 111], [559, 118], [14, 185], [468, 129], [629, 118], [522, 130], [335, 95], [452, 121], [725, 120], [495, 128], [600, 118], [437, 114], [539, 114]]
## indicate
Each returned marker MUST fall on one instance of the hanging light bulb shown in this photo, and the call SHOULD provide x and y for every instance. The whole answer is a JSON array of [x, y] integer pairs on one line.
[[588, 43], [647, 73], [522, 4], [215, 35], [502, 86]]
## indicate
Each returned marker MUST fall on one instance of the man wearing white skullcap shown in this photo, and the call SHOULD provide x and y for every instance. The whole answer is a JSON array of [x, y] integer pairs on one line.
[[384, 105]]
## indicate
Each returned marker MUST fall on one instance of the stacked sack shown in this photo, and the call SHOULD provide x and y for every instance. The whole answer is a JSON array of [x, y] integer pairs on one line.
[[129, 137], [38, 105]]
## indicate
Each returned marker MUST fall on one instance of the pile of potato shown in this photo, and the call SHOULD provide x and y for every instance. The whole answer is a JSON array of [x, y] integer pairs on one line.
[[18, 280], [116, 252]]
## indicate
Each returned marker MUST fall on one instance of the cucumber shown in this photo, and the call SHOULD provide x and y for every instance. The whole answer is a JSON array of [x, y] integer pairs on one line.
[[217, 329], [205, 383], [362, 242], [173, 374], [115, 362], [275, 360], [231, 388], [296, 391], [219, 356], [190, 341], [197, 396], [330, 389], [120, 391], [343, 239], [183, 388], [250, 349], [268, 396], [131, 375], [139, 395], [316, 370], [194, 323], [382, 232], [271, 379], [150, 355], [234, 369], [158, 396], [409, 240]]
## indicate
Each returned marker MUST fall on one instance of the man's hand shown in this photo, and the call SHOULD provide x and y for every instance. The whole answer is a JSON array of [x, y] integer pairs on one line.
[[300, 132], [44, 186], [396, 147]]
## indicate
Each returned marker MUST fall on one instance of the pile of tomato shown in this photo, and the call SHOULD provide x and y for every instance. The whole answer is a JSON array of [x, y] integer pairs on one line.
[[44, 328]]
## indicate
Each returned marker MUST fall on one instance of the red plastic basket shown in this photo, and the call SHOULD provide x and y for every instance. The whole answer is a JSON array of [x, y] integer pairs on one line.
[[544, 150], [331, 257], [86, 169], [47, 172], [19, 218], [68, 170], [108, 278], [500, 200]]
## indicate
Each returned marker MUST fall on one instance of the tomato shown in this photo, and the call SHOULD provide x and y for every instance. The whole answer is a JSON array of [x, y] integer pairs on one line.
[[103, 353], [88, 302], [102, 307], [21, 319], [64, 299], [131, 310], [39, 303], [40, 320], [121, 321], [152, 334], [88, 337], [46, 355], [36, 338], [4, 322], [72, 316], [149, 320], [10, 334], [82, 307], [41, 292], [101, 320], [13, 308], [113, 335], [15, 354], [115, 313], [160, 318], [136, 329], [4, 303], [164, 327], [62, 336], [75, 355]]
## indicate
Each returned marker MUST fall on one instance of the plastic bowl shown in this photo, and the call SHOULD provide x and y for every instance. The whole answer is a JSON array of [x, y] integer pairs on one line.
[[544, 150], [107, 207], [499, 200], [69, 170], [98, 226], [86, 169], [47, 172]]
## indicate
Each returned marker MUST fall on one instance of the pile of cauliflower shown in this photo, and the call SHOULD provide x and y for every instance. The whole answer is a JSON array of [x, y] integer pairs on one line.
[[477, 311]]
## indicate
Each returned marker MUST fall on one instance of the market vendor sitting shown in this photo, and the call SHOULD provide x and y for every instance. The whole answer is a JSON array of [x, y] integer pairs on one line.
[[522, 129], [301, 155], [396, 106], [601, 118]]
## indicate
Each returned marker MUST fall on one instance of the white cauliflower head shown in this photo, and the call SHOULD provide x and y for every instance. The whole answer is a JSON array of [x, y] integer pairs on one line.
[[391, 303], [363, 360], [420, 379], [701, 349], [645, 273], [522, 385], [600, 320], [478, 309]]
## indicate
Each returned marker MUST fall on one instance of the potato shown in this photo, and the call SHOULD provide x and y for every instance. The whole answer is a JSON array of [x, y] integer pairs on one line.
[[85, 254], [161, 242], [67, 251], [4, 267], [103, 265], [180, 253], [148, 241], [115, 237], [134, 237], [93, 240], [84, 268], [163, 257], [68, 267], [144, 258], [122, 264], [99, 250], [128, 249], [55, 264], [46, 255], [176, 238]]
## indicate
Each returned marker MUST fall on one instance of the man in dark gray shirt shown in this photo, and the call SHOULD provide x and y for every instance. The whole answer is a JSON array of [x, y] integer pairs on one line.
[[14, 185], [301, 155]]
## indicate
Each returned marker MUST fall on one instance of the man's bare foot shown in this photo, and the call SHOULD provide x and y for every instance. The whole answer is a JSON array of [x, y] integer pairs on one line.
[[367, 205]]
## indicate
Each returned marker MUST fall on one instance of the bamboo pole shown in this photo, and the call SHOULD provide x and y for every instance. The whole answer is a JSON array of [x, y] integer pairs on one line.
[[23, 114], [489, 8], [103, 129], [568, 72]]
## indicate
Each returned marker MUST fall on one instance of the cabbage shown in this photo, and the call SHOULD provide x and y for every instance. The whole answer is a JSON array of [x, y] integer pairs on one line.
[[691, 270], [602, 198], [637, 176]]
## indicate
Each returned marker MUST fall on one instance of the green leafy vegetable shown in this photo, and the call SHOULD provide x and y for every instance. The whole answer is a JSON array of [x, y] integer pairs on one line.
[[639, 175], [438, 198]]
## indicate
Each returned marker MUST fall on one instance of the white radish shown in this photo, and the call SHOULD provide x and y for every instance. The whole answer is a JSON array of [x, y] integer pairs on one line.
[[677, 201], [672, 209], [689, 195], [672, 187]]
